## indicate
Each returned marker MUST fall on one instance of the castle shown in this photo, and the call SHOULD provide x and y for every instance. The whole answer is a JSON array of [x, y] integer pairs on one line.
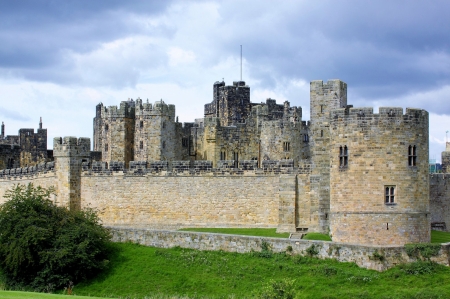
[[361, 176]]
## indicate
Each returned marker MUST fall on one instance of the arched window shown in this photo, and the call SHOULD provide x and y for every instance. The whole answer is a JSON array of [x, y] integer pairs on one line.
[[389, 193], [223, 155]]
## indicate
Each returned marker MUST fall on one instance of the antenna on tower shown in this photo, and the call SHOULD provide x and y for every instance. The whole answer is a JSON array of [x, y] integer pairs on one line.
[[241, 62]]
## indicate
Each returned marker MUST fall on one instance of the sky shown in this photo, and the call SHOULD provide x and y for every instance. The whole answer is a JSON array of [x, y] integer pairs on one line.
[[59, 59]]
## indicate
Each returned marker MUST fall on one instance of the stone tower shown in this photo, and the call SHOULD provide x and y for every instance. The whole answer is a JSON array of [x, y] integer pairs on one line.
[[117, 132], [230, 103], [155, 137], [324, 97], [379, 178], [70, 153]]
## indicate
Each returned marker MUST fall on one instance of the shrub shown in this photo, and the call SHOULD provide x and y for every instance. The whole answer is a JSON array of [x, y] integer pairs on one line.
[[312, 250], [42, 244], [277, 289], [425, 250], [419, 267]]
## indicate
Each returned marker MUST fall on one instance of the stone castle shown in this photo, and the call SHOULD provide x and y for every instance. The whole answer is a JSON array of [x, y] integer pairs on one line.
[[361, 176]]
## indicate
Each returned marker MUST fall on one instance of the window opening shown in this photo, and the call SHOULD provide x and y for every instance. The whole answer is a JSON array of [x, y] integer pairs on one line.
[[141, 144], [236, 159], [321, 133], [223, 155], [141, 124], [412, 155], [106, 128], [106, 147], [184, 142], [389, 194], [343, 156], [164, 144], [286, 146]]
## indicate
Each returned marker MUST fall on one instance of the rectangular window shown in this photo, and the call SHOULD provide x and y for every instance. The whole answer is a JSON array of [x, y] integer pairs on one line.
[[141, 144], [412, 155], [184, 142], [286, 146], [106, 147], [389, 194], [223, 156], [141, 124], [343, 156]]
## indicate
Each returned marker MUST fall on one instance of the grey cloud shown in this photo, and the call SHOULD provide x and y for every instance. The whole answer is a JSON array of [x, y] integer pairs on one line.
[[11, 114]]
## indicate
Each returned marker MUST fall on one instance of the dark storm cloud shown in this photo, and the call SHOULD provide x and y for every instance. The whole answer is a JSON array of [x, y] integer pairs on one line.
[[35, 35], [387, 48]]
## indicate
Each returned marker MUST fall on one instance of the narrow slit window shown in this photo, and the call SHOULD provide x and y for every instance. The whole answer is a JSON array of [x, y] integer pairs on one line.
[[141, 144], [106, 147], [141, 124]]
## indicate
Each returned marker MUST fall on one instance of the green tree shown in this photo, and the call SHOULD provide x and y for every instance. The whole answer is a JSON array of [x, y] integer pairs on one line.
[[44, 245]]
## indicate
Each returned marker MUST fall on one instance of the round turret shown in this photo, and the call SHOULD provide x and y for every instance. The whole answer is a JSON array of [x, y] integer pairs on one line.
[[379, 181]]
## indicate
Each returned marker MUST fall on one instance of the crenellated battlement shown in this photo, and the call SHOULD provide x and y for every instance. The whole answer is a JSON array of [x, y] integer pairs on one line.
[[159, 108], [126, 109], [28, 172], [71, 146], [195, 168], [392, 114]]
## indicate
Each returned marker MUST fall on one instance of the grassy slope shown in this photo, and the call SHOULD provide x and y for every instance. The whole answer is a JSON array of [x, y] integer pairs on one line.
[[439, 237], [260, 232], [30, 295], [139, 271]]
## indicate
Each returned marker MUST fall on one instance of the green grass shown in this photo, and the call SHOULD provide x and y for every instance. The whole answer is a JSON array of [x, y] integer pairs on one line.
[[259, 232], [440, 237], [145, 272], [316, 236], [31, 295]]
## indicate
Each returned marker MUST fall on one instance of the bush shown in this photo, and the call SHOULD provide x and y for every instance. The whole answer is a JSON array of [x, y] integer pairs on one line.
[[42, 244], [281, 289]]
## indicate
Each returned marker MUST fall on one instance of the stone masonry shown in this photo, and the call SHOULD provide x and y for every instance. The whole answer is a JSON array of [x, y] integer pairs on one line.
[[358, 175]]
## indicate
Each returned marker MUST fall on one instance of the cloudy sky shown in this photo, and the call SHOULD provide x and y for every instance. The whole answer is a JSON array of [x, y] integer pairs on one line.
[[58, 59]]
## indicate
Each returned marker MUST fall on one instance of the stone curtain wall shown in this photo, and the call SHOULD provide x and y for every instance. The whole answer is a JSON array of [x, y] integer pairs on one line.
[[440, 201], [362, 255], [177, 200], [45, 178]]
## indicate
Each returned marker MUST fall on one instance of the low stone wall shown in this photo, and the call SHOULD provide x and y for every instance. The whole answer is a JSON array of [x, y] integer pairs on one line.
[[362, 255]]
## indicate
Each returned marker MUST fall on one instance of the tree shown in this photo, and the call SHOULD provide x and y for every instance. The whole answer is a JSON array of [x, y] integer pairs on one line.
[[44, 245]]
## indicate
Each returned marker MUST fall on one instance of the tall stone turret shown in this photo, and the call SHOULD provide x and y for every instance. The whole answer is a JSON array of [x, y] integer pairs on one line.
[[230, 103], [118, 132], [379, 177], [69, 153], [156, 137], [324, 97]]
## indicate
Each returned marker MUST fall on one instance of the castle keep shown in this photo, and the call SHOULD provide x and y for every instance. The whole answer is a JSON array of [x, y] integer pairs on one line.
[[358, 175]]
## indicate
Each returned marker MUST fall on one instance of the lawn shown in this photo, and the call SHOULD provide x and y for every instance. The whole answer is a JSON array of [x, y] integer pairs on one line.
[[259, 232], [440, 237], [30, 295], [144, 272]]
